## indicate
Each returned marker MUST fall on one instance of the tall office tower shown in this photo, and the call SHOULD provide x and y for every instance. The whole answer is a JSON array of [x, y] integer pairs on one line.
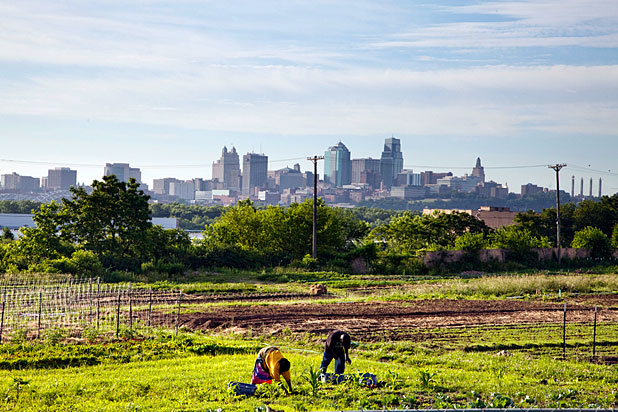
[[227, 169], [391, 162], [162, 186], [123, 172], [61, 178], [364, 165], [478, 170], [337, 165], [18, 183], [254, 172]]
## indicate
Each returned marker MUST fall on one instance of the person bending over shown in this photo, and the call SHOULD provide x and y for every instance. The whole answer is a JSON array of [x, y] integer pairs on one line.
[[336, 346], [270, 366]]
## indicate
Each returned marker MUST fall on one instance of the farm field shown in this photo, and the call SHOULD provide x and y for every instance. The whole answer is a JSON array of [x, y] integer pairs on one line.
[[441, 343]]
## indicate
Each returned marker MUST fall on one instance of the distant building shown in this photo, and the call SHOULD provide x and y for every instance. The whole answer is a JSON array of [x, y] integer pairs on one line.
[[123, 172], [287, 178], [337, 165], [466, 184], [407, 192], [254, 172], [530, 189], [182, 190], [429, 177], [391, 161], [367, 165], [478, 170], [162, 186], [61, 178], [227, 169], [492, 189], [408, 178], [17, 183]]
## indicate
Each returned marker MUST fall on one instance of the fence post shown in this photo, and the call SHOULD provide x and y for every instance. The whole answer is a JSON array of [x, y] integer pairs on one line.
[[118, 316], [564, 333], [38, 332], [98, 300], [2, 318], [178, 313], [149, 306], [594, 334], [130, 307]]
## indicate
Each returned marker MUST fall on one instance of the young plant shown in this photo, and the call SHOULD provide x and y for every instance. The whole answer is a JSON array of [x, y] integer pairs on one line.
[[313, 378], [426, 378]]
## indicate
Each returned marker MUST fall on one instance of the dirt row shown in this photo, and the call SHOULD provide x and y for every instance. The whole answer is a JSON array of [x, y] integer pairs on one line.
[[375, 321]]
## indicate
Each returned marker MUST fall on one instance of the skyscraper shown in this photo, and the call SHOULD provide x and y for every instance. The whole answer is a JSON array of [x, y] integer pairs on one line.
[[227, 169], [254, 172], [478, 170], [61, 178], [337, 165], [391, 162], [123, 172]]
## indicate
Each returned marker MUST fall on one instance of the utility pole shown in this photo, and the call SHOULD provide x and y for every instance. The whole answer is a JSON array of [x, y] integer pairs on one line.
[[314, 244], [557, 168]]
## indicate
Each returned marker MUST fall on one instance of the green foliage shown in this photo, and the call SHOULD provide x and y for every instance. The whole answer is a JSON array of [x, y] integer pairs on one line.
[[470, 242], [518, 240], [7, 235], [408, 233], [190, 217], [283, 231], [594, 239], [426, 378], [91, 334], [312, 376], [615, 237], [54, 336]]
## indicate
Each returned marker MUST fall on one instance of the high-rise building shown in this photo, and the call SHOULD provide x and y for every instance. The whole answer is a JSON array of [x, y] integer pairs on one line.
[[337, 165], [254, 172], [478, 170], [162, 186], [364, 165], [18, 183], [123, 172], [391, 161], [227, 169], [61, 178], [183, 190]]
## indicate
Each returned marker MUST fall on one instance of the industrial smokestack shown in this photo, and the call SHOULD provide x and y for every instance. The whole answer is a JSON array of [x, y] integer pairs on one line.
[[590, 187], [581, 191], [600, 182], [572, 186]]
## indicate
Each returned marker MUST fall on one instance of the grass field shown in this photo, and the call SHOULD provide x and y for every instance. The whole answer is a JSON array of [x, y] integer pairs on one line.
[[442, 367]]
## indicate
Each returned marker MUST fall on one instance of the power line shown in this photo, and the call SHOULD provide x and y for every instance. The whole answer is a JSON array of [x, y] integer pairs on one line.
[[468, 167], [176, 166]]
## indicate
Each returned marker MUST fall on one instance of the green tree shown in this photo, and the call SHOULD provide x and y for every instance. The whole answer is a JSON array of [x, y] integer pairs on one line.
[[470, 242], [519, 241], [594, 239], [112, 221]]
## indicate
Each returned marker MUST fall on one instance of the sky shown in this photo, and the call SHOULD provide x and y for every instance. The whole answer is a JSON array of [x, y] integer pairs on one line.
[[164, 85]]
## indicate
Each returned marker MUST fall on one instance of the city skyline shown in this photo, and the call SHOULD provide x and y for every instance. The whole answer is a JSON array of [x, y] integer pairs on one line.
[[516, 83]]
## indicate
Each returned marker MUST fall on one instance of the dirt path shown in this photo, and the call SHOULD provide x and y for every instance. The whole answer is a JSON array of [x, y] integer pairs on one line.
[[373, 321]]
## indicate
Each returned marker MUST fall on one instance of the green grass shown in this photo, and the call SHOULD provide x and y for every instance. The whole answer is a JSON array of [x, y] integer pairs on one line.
[[182, 379]]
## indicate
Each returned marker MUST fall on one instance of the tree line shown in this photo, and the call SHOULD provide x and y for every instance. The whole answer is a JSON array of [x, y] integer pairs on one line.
[[109, 231]]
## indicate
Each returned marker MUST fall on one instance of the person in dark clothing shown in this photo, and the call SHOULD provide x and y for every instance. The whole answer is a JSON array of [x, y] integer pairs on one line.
[[336, 346]]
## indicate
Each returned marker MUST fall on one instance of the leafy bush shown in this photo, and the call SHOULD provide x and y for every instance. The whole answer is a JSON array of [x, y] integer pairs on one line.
[[471, 242], [594, 239], [615, 237], [54, 336]]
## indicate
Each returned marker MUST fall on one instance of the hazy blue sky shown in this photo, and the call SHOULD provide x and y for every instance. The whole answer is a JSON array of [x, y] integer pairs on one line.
[[164, 85]]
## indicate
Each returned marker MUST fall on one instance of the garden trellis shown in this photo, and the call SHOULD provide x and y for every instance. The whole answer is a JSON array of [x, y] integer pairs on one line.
[[30, 307]]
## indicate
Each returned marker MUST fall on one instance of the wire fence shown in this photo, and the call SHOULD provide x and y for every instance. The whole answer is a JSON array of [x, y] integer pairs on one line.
[[31, 307]]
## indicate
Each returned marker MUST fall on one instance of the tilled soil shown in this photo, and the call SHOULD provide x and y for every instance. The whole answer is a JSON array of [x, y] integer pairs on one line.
[[375, 321]]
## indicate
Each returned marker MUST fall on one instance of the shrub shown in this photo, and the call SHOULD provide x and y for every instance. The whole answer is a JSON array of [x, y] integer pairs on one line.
[[615, 237], [594, 239], [471, 242], [86, 263]]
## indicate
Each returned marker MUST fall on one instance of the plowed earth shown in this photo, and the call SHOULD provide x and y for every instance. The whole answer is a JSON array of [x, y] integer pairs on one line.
[[377, 321]]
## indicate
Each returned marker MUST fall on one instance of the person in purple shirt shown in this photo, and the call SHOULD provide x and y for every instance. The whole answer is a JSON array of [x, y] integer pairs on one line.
[[336, 346]]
